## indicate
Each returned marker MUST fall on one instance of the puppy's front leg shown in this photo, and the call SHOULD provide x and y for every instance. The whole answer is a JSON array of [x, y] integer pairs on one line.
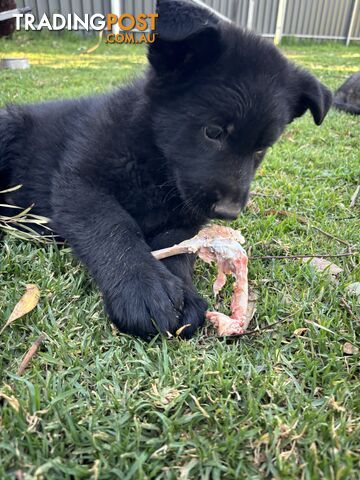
[[141, 295]]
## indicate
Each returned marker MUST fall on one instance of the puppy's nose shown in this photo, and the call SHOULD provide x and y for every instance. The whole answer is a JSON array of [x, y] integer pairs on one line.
[[227, 211]]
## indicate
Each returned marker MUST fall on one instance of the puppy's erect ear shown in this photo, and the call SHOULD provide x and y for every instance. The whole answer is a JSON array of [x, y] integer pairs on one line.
[[180, 19], [311, 95], [187, 35]]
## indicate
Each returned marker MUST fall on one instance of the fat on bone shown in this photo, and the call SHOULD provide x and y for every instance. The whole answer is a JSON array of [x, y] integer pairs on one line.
[[221, 245]]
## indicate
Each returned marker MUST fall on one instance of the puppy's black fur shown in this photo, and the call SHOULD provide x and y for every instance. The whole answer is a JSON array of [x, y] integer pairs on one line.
[[147, 166], [347, 97]]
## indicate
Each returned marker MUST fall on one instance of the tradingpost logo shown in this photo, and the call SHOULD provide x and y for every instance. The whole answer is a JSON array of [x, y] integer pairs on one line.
[[120, 28]]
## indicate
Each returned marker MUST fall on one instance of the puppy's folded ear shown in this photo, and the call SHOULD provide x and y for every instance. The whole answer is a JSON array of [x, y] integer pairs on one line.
[[309, 94], [187, 36]]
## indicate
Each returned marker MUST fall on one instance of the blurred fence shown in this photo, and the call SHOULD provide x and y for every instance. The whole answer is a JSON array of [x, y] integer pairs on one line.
[[317, 19]]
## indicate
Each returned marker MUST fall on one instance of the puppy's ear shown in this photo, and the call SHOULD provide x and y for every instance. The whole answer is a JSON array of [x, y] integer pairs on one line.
[[311, 95], [187, 36]]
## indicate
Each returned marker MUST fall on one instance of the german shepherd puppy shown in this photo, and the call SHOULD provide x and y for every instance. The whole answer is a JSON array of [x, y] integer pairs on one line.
[[148, 165]]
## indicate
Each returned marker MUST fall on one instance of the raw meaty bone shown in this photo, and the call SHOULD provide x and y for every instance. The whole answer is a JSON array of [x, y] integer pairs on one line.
[[222, 246]]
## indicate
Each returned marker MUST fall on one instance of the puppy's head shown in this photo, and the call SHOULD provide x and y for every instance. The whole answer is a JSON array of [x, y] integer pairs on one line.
[[221, 98]]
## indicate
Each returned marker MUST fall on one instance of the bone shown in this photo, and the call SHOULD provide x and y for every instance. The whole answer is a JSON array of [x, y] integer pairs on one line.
[[221, 245]]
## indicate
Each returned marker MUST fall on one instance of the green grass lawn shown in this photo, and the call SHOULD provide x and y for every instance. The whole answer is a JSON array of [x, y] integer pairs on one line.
[[283, 404]]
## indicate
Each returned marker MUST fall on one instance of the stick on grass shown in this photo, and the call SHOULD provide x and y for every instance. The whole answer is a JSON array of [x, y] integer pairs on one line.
[[29, 355]]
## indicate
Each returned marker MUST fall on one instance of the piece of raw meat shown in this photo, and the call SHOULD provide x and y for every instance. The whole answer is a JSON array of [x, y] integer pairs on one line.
[[221, 245]]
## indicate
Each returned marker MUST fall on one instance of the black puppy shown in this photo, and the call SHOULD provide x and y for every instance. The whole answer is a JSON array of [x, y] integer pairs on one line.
[[347, 97], [147, 166]]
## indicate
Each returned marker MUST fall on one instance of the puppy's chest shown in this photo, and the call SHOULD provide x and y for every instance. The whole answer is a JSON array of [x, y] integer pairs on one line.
[[154, 210], [160, 215], [142, 193]]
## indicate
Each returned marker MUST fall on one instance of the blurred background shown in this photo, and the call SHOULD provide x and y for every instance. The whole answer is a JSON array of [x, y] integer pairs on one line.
[[316, 19]]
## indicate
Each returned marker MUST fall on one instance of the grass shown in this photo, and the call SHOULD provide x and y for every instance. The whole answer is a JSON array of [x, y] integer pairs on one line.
[[284, 404]]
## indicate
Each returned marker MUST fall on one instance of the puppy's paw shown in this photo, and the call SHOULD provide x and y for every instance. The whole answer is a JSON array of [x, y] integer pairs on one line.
[[148, 302], [193, 315]]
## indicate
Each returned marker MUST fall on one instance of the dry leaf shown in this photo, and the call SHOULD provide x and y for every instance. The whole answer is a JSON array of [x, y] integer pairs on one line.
[[197, 403], [350, 349], [321, 265], [251, 307], [252, 206], [354, 197], [186, 469], [181, 329], [27, 303], [95, 470], [354, 289], [335, 405], [29, 355], [12, 401], [166, 395], [300, 331], [263, 440]]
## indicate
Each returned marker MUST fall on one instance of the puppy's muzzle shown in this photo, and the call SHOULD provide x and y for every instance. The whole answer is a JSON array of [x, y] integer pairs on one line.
[[227, 211]]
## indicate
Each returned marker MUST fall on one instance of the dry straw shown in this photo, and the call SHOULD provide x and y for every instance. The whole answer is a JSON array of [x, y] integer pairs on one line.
[[24, 224]]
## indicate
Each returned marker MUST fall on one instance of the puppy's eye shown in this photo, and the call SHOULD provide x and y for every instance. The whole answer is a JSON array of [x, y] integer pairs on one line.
[[260, 152], [213, 132]]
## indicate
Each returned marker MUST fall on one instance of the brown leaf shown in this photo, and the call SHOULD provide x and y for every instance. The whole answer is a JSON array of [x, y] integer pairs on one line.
[[29, 355], [12, 401], [263, 440], [335, 405], [197, 403], [181, 329], [354, 289], [165, 395], [251, 308], [300, 331], [321, 265], [350, 349], [185, 470], [27, 303]]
